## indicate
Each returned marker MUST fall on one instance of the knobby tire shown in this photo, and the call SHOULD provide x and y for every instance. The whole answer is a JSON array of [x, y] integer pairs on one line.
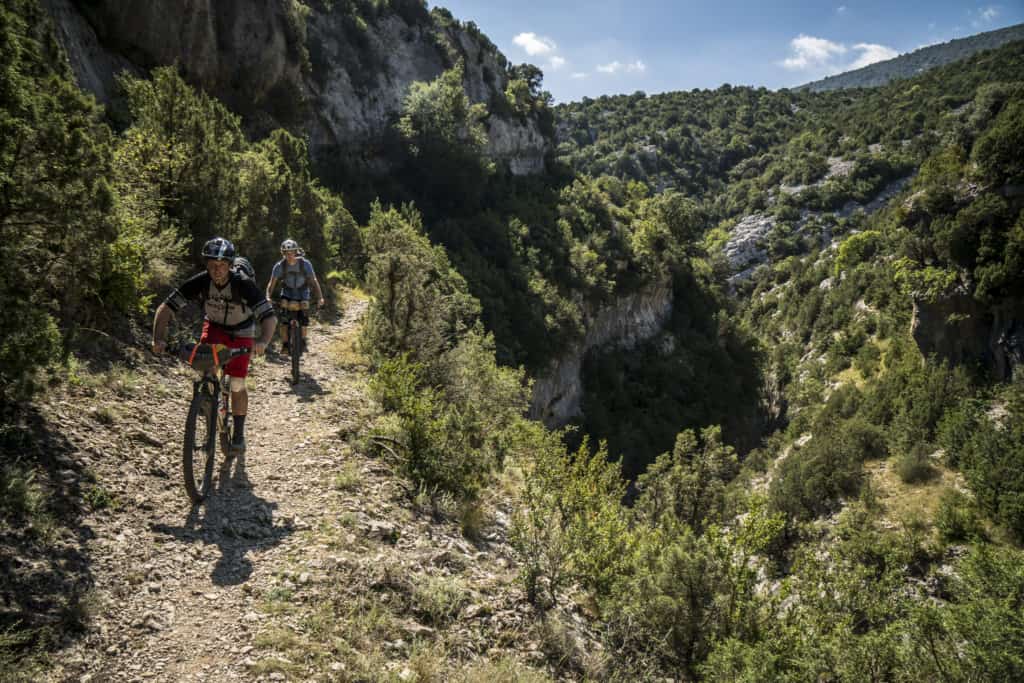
[[201, 422], [226, 427], [296, 349]]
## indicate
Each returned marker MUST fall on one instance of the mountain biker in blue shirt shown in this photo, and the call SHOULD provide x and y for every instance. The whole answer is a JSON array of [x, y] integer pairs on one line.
[[296, 276]]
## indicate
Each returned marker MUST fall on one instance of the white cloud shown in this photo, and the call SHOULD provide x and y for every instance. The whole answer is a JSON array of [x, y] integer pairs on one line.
[[841, 9], [985, 15], [871, 53], [534, 44], [578, 75], [823, 56], [637, 67], [556, 63], [812, 53]]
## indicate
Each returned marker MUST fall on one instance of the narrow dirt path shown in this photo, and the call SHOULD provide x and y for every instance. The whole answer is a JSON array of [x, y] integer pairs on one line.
[[176, 589]]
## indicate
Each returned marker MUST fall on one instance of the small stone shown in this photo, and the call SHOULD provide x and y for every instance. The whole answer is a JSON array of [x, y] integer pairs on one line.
[[415, 630], [276, 676], [304, 577], [336, 666]]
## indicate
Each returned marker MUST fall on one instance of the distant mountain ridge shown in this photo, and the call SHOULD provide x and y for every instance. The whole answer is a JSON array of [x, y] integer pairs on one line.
[[913, 63]]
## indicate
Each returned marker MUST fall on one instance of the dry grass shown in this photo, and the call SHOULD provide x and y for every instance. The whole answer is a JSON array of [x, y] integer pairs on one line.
[[347, 478], [901, 501], [346, 354], [851, 375], [505, 670]]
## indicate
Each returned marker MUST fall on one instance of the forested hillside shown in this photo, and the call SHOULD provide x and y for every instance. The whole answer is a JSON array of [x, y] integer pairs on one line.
[[781, 336], [918, 61]]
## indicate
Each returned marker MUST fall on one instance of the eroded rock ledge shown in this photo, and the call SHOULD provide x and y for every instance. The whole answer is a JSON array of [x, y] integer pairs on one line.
[[627, 322]]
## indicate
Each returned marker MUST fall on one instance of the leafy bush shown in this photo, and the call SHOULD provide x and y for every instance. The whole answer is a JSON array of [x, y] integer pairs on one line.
[[956, 519], [688, 485], [914, 466], [419, 301], [56, 201], [437, 450], [570, 525], [993, 461], [811, 480], [979, 633]]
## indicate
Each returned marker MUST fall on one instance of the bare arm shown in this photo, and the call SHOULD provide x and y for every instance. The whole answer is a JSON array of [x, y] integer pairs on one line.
[[319, 292], [267, 327], [160, 321]]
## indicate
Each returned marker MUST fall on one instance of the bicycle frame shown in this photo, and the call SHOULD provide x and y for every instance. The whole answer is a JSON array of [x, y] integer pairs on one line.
[[208, 409], [292, 320]]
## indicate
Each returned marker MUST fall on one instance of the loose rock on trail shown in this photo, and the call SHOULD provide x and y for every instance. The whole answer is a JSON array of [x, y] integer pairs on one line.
[[176, 586]]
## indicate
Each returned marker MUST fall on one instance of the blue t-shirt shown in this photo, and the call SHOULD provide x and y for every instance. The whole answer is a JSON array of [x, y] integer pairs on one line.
[[294, 279]]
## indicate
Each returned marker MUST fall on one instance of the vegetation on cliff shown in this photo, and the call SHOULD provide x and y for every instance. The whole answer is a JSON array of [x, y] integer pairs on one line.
[[769, 435]]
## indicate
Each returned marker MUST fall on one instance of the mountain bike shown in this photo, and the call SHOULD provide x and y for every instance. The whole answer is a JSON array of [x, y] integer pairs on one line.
[[292, 317], [209, 411]]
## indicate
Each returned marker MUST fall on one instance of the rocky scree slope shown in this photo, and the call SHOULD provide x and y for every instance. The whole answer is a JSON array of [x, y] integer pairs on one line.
[[323, 69]]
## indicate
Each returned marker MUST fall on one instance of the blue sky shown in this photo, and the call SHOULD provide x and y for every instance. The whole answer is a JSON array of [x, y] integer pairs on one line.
[[621, 46]]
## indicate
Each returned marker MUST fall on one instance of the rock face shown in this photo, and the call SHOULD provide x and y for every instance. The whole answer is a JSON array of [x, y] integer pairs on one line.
[[332, 75], [744, 247], [964, 332], [628, 321], [240, 51]]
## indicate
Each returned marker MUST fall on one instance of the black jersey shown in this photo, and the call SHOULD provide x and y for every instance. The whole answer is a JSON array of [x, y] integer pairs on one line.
[[236, 307]]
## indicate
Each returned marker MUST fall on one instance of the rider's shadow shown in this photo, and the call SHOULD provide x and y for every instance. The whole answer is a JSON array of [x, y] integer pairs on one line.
[[307, 388], [235, 519]]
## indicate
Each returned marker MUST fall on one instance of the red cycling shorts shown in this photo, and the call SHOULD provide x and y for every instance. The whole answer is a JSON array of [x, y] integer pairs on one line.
[[214, 334]]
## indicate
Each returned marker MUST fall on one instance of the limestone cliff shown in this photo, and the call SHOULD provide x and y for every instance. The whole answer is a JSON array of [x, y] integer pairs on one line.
[[321, 69], [625, 323], [963, 331]]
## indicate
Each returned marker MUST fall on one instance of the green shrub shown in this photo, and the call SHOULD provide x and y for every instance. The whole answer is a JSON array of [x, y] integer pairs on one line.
[[993, 462], [915, 467], [956, 519], [439, 445], [812, 479], [570, 524]]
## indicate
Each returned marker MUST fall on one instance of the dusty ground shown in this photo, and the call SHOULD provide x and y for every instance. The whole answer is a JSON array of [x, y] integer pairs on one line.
[[309, 562]]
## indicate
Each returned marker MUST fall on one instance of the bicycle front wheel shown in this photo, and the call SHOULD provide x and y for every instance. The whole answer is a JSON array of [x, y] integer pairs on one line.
[[200, 446], [296, 348]]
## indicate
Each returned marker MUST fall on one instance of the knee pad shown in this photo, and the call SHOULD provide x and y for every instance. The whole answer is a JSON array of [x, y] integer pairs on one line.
[[237, 384]]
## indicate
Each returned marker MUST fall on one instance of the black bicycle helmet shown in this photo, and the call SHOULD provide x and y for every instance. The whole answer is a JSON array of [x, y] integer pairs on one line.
[[220, 249], [243, 266]]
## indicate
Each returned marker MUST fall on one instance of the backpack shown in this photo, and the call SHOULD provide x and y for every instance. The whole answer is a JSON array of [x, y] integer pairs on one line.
[[242, 266]]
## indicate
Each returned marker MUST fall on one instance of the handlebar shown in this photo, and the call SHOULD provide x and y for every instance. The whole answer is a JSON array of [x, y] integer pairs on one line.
[[205, 357]]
